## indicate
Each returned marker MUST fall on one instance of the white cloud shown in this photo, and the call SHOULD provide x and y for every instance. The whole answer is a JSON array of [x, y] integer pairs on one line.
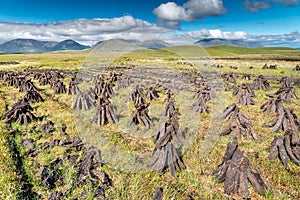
[[89, 32], [190, 11], [289, 39], [217, 33], [171, 12], [287, 2], [83, 30], [255, 6]]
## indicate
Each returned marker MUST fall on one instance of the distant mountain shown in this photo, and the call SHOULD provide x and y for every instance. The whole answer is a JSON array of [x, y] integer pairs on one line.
[[116, 45], [149, 44], [210, 42], [68, 45], [31, 46], [154, 44], [25, 45]]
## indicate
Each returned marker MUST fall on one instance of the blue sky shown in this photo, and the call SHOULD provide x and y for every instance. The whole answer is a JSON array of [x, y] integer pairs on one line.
[[273, 22]]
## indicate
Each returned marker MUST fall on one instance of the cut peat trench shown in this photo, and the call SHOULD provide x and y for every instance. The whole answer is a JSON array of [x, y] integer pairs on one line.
[[24, 191]]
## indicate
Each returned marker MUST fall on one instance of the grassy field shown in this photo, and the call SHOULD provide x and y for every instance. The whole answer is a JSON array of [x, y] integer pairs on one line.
[[196, 181]]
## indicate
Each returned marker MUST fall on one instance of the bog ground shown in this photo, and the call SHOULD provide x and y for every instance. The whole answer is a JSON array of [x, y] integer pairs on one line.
[[51, 112]]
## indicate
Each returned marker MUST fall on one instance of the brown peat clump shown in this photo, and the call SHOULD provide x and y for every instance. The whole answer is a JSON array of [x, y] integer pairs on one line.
[[58, 87], [73, 86], [272, 105], [286, 148], [244, 95], [286, 119], [236, 173], [261, 83], [84, 159], [21, 112], [239, 124], [230, 77], [200, 104], [104, 112], [33, 96], [165, 154], [84, 101], [287, 94], [152, 93], [140, 116]]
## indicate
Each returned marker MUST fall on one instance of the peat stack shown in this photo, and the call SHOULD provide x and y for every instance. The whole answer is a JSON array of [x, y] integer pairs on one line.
[[244, 95], [246, 77], [84, 101], [261, 83], [141, 116], [285, 82], [137, 95], [59, 87], [113, 77], [33, 96], [230, 77], [265, 66], [20, 113], [236, 172], [286, 119], [44, 78], [287, 94], [27, 85], [104, 89], [91, 160], [273, 67], [165, 154], [239, 124], [273, 105], [73, 86], [15, 80], [105, 112], [204, 90], [286, 148], [200, 104], [152, 93]]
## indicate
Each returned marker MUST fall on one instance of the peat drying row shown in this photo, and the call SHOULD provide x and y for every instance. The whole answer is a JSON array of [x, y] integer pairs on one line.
[[154, 83]]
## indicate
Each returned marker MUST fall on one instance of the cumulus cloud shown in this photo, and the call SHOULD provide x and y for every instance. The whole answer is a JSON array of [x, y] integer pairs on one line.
[[171, 12], [190, 11], [83, 30], [89, 32], [288, 3], [255, 6], [289, 39], [217, 33]]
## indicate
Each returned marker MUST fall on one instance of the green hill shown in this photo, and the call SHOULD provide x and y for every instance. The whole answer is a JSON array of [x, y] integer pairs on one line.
[[232, 50]]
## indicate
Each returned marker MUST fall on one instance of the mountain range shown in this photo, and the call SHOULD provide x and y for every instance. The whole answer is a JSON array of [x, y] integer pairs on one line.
[[210, 42], [148, 44], [32, 46]]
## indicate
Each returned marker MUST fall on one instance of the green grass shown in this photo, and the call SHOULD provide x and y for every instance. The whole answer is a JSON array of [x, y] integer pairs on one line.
[[196, 180], [218, 50]]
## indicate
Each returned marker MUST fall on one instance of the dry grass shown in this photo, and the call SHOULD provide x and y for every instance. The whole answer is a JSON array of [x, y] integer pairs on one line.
[[195, 182]]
